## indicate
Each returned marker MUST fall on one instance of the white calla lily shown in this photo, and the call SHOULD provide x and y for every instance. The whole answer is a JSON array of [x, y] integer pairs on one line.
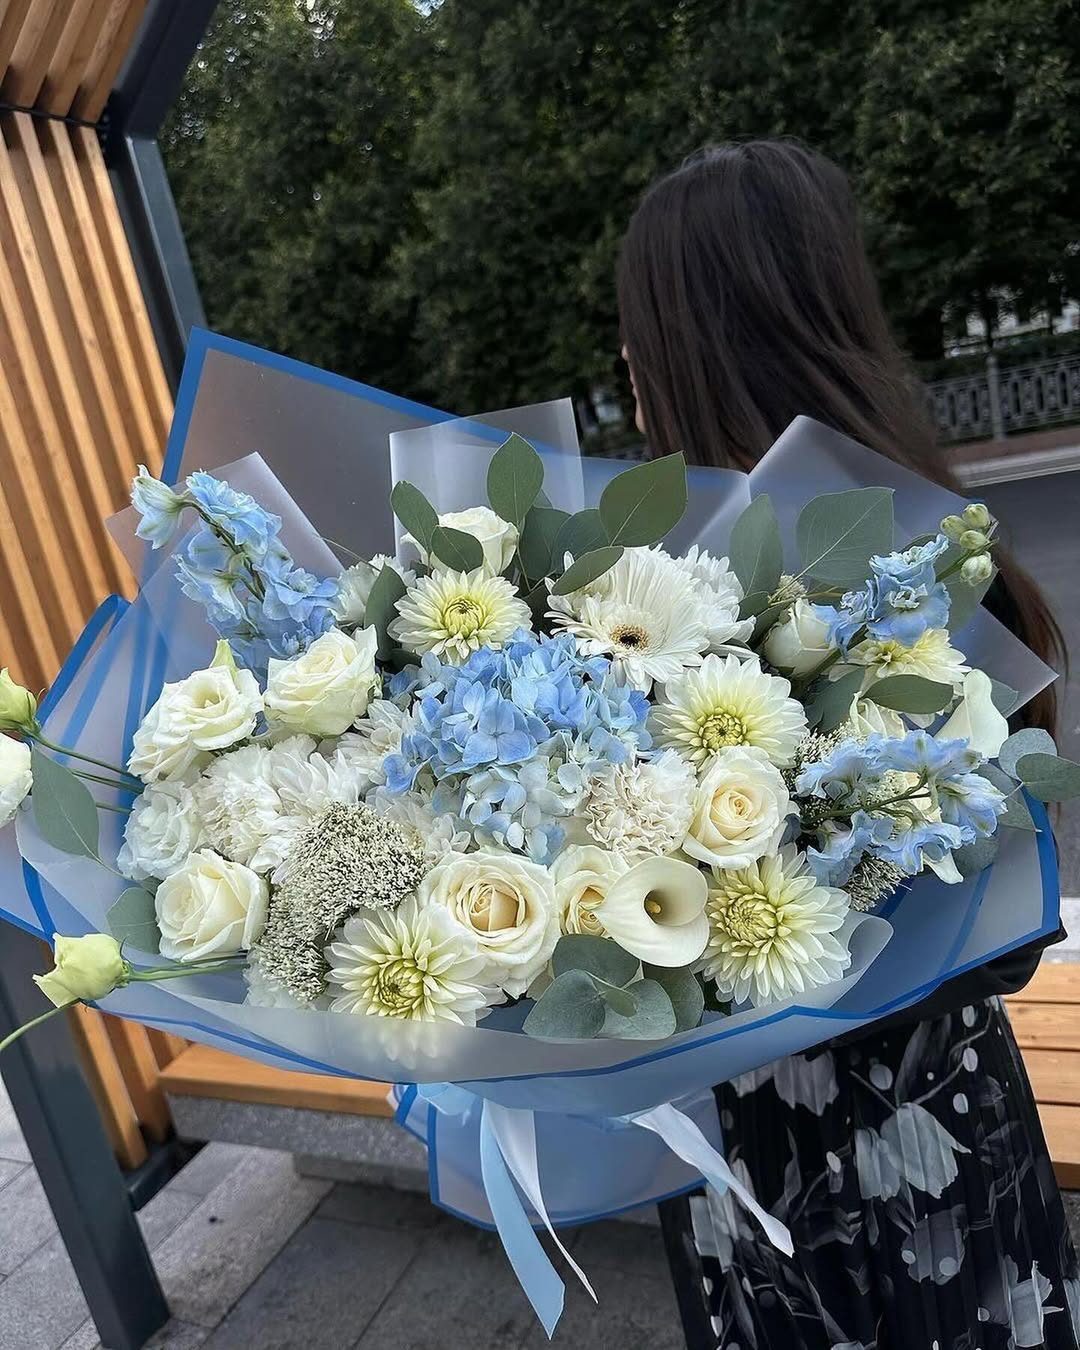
[[656, 912], [976, 719]]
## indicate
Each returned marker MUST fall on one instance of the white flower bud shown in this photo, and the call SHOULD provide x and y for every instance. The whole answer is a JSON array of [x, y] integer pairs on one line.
[[18, 706], [977, 569], [85, 968]]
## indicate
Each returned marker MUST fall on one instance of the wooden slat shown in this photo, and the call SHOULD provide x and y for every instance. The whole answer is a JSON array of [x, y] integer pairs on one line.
[[139, 1070], [69, 58], [1055, 1076], [1054, 982], [1046, 1026], [165, 1046], [118, 27], [35, 45], [12, 17], [107, 1084], [1061, 1125], [203, 1072]]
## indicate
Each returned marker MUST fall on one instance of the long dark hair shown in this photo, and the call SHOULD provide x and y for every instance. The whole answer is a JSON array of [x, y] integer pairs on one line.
[[746, 298]]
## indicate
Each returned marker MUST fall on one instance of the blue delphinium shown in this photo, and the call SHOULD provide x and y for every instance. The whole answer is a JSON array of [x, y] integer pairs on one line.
[[506, 741], [900, 601]]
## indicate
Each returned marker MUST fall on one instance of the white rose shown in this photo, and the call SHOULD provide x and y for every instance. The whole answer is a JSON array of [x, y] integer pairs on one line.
[[740, 809], [582, 875], [163, 829], [326, 688], [16, 780], [210, 710], [209, 908], [799, 641], [867, 718], [497, 537], [507, 903], [349, 606]]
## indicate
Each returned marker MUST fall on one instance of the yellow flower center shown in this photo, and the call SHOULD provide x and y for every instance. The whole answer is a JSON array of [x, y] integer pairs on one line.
[[721, 728], [464, 616], [748, 922], [631, 636], [399, 987]]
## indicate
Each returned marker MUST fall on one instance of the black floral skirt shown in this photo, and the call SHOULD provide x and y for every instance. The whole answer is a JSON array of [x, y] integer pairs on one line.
[[911, 1169]]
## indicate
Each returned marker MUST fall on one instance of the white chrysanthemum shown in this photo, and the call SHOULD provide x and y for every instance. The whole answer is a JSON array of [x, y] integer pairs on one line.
[[455, 613], [377, 734], [720, 593], [642, 808], [772, 931], [240, 809], [728, 701], [163, 829], [932, 656], [415, 964], [307, 782], [645, 613], [354, 588]]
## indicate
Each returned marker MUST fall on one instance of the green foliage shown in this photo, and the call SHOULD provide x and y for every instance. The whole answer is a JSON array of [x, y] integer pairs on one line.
[[537, 546], [910, 694], [757, 553], [1050, 778], [838, 532], [132, 920], [587, 569], [829, 704], [1027, 741], [381, 608], [642, 504], [415, 512], [64, 811], [456, 549], [582, 533], [515, 477]]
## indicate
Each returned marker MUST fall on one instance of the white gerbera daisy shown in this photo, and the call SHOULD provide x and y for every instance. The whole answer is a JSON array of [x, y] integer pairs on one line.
[[772, 931], [720, 592], [644, 613], [932, 656], [415, 964], [455, 613], [641, 808], [728, 701]]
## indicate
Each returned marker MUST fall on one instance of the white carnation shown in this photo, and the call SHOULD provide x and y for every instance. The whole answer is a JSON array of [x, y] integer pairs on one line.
[[163, 829], [377, 735], [240, 809], [644, 807]]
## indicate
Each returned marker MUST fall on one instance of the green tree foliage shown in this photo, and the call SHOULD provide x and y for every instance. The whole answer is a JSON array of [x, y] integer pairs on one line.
[[431, 198]]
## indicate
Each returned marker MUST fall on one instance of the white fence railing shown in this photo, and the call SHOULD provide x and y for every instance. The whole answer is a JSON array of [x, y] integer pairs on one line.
[[994, 402]]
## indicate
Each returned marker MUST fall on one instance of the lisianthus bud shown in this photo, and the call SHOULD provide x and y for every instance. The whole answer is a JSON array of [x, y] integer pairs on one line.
[[976, 516], [974, 541], [158, 505], [977, 569], [953, 527], [85, 968], [17, 705]]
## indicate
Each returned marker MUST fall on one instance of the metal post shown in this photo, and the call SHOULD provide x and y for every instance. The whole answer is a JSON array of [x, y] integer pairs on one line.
[[74, 1160], [993, 385]]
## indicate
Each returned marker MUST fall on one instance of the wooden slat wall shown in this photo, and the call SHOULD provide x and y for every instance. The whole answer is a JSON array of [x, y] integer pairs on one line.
[[83, 400]]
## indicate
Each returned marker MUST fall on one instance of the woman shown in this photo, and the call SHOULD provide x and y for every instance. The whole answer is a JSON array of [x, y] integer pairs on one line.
[[908, 1161]]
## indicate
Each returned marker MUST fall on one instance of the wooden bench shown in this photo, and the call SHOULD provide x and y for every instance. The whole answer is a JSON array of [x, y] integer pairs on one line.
[[1046, 1019]]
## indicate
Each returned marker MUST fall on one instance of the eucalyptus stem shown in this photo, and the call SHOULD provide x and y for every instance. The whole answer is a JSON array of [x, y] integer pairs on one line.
[[118, 810], [107, 782], [35, 1022], [178, 972], [78, 754]]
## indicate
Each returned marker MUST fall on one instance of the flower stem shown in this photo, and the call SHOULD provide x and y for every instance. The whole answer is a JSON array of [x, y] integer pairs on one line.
[[118, 810], [106, 782], [78, 754], [34, 1022], [178, 972]]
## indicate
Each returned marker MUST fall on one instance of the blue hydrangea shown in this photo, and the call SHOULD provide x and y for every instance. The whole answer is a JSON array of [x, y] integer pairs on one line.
[[507, 739]]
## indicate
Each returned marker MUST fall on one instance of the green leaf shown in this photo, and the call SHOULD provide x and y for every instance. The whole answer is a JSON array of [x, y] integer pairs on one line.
[[598, 955], [764, 620], [133, 922], [1003, 698], [415, 512], [515, 476], [64, 811], [653, 1018], [964, 600], [1028, 741], [381, 608], [1050, 778], [456, 549], [910, 694], [641, 505], [618, 999], [570, 1008], [837, 533], [536, 547], [587, 568], [977, 857], [683, 989], [756, 553], [581, 534], [830, 702]]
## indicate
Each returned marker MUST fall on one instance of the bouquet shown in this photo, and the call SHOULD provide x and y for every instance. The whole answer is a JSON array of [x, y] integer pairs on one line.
[[574, 804]]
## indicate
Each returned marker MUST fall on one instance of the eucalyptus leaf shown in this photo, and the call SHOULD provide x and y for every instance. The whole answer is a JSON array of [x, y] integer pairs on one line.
[[536, 547], [685, 992], [415, 512], [1027, 741], [458, 550], [133, 922], [642, 504], [64, 811], [1016, 815], [587, 569], [582, 533], [598, 955], [756, 553], [1050, 778], [829, 704], [618, 999], [1003, 698], [838, 533], [653, 1018], [764, 620], [515, 476], [570, 1008], [910, 694], [977, 857], [381, 608], [965, 599]]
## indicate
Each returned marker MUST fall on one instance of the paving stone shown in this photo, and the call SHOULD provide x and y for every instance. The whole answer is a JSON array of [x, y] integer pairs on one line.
[[633, 1249], [12, 1144], [41, 1304], [9, 1171], [26, 1221], [232, 1234], [165, 1212], [379, 1207], [322, 1289], [634, 1312], [173, 1335], [211, 1165], [458, 1294]]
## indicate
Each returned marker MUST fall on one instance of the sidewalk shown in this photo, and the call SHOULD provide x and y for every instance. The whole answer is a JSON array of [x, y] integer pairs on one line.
[[1030, 455]]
